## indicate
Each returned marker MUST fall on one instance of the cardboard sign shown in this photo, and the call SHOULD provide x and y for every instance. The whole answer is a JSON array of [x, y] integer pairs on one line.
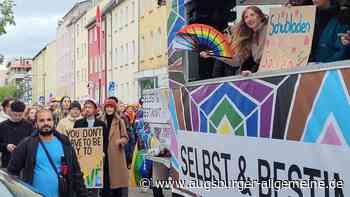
[[289, 37], [156, 106], [88, 144]]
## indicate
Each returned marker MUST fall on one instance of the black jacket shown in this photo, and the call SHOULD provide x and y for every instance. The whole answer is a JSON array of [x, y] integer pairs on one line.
[[82, 123], [12, 133], [23, 158]]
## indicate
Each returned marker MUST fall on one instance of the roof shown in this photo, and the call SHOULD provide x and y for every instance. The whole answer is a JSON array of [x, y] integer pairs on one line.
[[107, 8], [75, 6], [43, 49]]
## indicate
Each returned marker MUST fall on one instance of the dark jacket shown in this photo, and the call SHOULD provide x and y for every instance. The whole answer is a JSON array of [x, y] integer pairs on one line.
[[23, 158], [326, 45], [82, 123], [12, 133]]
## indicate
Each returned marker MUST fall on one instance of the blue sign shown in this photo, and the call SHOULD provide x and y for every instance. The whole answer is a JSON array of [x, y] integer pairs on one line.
[[112, 88], [41, 100]]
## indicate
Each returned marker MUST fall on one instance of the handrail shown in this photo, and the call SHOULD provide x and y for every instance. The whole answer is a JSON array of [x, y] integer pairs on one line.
[[309, 68]]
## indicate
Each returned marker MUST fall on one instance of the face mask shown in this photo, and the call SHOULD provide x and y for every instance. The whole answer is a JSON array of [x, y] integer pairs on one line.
[[45, 133]]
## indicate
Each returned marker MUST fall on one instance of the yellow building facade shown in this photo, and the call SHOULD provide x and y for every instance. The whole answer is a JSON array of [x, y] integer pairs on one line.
[[44, 75], [122, 46], [153, 61], [51, 70], [39, 76]]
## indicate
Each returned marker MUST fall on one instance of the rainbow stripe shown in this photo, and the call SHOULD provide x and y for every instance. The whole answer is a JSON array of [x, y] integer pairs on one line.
[[205, 38]]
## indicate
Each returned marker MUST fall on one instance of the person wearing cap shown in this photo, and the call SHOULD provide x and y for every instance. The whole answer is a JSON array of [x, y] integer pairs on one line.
[[90, 121], [13, 131], [67, 123], [115, 171]]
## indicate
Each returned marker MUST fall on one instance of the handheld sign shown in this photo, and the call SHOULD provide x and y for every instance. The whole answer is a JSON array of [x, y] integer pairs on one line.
[[88, 144], [289, 37]]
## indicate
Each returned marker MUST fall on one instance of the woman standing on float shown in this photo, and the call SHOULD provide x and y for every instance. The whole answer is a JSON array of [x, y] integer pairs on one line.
[[247, 40]]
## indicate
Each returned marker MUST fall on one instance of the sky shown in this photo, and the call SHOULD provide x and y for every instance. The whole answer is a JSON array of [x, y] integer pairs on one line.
[[36, 22]]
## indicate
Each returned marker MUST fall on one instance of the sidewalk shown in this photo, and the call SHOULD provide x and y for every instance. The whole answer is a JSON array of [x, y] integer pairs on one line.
[[133, 192]]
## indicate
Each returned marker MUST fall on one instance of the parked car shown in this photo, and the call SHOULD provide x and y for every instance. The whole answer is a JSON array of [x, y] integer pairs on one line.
[[11, 186]]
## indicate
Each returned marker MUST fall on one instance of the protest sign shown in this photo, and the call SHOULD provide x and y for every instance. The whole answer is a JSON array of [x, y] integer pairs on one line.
[[88, 144], [289, 37], [155, 107]]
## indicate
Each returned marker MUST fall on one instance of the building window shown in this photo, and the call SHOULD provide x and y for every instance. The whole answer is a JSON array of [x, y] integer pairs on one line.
[[142, 43], [133, 11], [159, 41], [153, 44], [133, 48], [115, 56], [121, 18], [126, 53], [126, 15], [142, 8], [116, 20], [122, 55], [78, 53]]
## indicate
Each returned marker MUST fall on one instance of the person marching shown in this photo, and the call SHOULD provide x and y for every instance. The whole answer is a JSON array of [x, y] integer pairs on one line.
[[48, 161], [67, 123], [116, 179], [13, 131], [90, 121]]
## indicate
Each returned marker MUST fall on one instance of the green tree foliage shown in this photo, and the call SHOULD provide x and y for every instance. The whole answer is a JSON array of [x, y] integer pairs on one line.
[[9, 90], [6, 15]]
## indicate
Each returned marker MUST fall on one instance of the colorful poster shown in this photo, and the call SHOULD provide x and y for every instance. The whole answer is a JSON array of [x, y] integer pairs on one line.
[[289, 37], [88, 144], [214, 165]]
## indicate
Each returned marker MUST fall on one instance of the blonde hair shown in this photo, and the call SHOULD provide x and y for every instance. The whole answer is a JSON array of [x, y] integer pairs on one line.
[[27, 111], [241, 36]]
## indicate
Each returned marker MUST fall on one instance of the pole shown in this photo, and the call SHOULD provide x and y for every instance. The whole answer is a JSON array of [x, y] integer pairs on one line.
[[44, 76], [99, 91], [105, 54]]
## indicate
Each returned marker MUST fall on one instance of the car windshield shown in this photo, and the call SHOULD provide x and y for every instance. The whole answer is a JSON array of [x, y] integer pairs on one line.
[[13, 187]]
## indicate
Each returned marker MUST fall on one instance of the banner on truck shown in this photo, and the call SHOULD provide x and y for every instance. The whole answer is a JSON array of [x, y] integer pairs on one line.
[[227, 165]]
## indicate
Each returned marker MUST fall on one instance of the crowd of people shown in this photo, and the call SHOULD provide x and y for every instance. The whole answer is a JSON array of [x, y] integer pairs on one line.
[[34, 144], [331, 39]]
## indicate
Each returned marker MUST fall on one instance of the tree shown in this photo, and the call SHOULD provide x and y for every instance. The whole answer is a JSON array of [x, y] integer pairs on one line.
[[9, 90], [6, 15]]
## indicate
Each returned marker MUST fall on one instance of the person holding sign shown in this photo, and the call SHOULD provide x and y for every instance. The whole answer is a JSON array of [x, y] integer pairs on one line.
[[326, 43], [247, 40], [48, 161], [90, 121], [116, 179]]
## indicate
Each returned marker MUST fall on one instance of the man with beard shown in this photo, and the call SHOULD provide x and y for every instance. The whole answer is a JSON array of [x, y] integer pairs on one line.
[[46, 158], [13, 130]]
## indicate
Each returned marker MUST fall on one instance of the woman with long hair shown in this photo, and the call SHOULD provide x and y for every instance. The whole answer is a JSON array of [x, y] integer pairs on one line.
[[116, 178], [247, 40], [29, 114]]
